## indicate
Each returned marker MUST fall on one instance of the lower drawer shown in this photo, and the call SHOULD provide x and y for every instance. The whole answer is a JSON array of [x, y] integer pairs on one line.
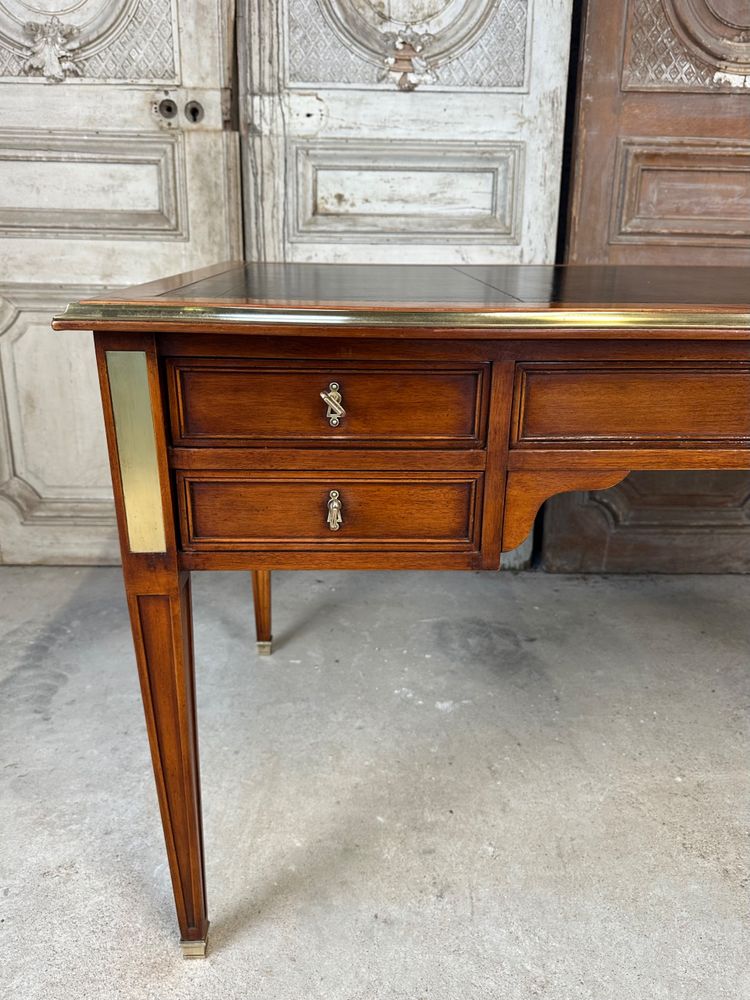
[[304, 511]]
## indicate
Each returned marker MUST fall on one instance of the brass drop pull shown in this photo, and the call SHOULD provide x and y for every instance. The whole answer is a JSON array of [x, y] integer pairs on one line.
[[332, 399], [334, 518]]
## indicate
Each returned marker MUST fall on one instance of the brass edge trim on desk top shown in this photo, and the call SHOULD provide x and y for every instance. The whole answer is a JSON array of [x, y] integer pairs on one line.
[[132, 314]]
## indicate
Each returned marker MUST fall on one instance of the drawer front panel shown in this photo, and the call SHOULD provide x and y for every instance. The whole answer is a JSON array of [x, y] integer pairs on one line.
[[383, 510], [235, 403], [565, 403]]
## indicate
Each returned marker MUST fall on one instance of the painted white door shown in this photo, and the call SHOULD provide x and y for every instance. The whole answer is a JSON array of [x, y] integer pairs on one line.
[[422, 131], [410, 130], [109, 175]]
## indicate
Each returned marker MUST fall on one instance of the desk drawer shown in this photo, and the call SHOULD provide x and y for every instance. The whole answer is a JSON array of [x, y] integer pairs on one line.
[[563, 403], [424, 511], [264, 403]]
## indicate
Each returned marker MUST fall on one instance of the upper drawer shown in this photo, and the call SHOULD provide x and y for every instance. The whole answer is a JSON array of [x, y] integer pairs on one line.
[[255, 403], [561, 403]]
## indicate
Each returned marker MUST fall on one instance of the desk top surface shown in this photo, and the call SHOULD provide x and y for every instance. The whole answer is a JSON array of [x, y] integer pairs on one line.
[[492, 298]]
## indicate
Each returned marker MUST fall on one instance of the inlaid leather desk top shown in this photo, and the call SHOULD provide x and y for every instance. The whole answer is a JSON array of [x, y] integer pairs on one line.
[[475, 301]]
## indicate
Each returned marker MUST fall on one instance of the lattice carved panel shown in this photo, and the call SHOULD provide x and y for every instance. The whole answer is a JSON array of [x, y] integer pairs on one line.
[[54, 41], [431, 44], [687, 45]]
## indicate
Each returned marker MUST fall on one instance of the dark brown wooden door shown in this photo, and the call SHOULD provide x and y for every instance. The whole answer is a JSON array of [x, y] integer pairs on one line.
[[661, 175]]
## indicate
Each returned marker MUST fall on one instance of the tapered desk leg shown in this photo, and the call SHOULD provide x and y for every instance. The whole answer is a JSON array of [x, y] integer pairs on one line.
[[160, 613], [162, 633], [262, 603]]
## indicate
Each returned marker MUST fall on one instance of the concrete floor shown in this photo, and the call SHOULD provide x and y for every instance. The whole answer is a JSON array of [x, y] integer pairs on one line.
[[441, 786]]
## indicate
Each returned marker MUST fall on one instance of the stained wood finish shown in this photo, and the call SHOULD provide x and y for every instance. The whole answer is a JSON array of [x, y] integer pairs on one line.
[[654, 458], [496, 469], [162, 634], [159, 602], [661, 166], [661, 161], [334, 458], [360, 557], [238, 403], [719, 344], [630, 403], [525, 493], [453, 443], [220, 510]]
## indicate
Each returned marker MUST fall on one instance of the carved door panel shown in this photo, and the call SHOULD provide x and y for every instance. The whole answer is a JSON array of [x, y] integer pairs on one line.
[[661, 165], [409, 130], [105, 179]]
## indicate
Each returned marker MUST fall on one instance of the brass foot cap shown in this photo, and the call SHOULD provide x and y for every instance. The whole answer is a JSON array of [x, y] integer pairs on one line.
[[194, 949], [264, 648]]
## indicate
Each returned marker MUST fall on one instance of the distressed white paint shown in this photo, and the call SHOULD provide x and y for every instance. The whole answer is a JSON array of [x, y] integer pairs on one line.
[[92, 187], [280, 117], [385, 192], [97, 190], [413, 11], [47, 455], [732, 79], [55, 489], [360, 191], [55, 185]]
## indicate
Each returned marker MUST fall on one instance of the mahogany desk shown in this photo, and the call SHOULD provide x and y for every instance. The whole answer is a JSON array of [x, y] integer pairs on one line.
[[381, 417]]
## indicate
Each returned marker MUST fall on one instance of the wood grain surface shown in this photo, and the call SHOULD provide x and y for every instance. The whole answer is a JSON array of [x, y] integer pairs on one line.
[[632, 402], [289, 510], [437, 405]]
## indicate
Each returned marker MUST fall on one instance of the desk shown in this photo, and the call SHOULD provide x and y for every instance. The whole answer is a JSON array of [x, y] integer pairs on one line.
[[300, 416]]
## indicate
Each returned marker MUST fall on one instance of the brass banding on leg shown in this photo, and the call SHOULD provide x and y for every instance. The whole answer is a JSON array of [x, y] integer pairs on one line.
[[136, 450]]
